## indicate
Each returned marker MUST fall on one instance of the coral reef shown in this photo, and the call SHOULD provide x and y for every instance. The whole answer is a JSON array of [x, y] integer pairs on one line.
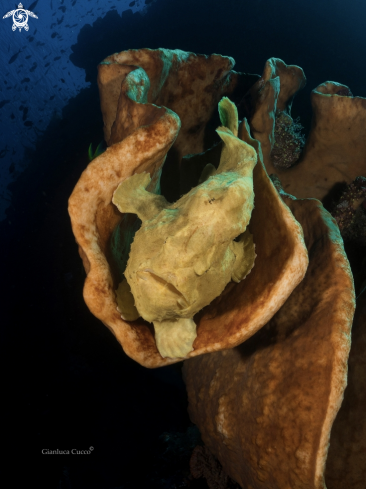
[[266, 373]]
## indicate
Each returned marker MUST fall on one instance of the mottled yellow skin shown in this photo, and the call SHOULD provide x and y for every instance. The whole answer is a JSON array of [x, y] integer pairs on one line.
[[184, 254]]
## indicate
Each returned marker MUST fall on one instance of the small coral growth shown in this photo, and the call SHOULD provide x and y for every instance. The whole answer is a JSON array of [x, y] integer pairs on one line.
[[350, 212], [204, 464], [171, 461], [289, 140]]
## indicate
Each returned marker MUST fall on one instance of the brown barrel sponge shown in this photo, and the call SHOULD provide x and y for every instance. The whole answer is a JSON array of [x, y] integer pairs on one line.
[[265, 409], [141, 137]]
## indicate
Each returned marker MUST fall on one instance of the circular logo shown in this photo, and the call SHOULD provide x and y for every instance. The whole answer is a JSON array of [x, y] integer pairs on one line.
[[20, 18]]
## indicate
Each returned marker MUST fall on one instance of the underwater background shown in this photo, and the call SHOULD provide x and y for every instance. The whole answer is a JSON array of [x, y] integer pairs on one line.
[[68, 383]]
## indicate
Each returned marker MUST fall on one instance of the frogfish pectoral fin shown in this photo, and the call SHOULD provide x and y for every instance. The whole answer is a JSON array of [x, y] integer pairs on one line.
[[244, 251], [174, 337]]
